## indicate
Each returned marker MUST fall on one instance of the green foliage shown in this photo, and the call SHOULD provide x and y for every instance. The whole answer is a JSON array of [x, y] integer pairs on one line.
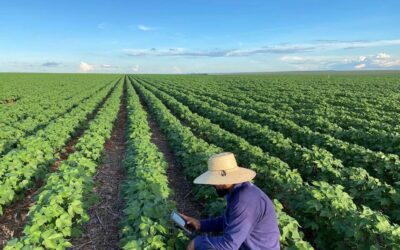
[[318, 212], [146, 223], [61, 206], [314, 163], [193, 153], [36, 105], [31, 160]]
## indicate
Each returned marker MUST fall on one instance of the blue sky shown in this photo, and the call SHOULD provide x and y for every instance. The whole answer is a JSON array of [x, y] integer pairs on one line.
[[198, 36]]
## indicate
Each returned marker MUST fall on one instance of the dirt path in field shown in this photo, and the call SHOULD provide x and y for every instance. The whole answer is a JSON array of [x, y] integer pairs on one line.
[[182, 195], [101, 231], [13, 220]]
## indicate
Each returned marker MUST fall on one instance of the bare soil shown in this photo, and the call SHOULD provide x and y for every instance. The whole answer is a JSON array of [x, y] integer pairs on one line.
[[182, 188], [102, 231]]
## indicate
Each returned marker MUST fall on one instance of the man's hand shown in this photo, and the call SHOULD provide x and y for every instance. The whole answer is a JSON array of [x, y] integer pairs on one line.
[[195, 223], [190, 246]]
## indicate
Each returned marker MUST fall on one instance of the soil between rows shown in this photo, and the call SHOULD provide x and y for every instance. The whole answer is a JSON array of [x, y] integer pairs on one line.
[[182, 188], [102, 231]]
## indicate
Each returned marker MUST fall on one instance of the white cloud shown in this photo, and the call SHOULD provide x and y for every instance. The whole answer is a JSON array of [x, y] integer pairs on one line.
[[322, 60], [383, 56], [269, 49], [85, 67], [293, 59], [135, 68], [380, 60], [362, 58], [385, 60], [145, 28], [106, 66], [359, 44], [360, 66]]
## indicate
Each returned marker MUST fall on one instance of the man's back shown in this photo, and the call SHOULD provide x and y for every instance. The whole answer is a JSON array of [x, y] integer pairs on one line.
[[264, 231], [249, 222]]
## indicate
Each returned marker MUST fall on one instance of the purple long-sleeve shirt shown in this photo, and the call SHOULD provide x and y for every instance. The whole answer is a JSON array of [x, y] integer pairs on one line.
[[249, 222]]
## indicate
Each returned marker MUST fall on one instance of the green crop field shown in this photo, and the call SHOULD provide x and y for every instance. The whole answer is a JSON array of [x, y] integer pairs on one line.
[[325, 146]]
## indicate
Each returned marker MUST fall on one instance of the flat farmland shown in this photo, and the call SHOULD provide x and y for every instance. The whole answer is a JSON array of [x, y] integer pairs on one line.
[[100, 160]]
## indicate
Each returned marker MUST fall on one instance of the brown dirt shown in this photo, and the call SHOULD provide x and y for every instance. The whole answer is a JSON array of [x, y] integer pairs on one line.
[[10, 101], [101, 231], [182, 188], [13, 220]]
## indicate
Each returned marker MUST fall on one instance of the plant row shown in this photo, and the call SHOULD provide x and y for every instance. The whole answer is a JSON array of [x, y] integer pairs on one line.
[[20, 168], [325, 210], [313, 164], [338, 122], [192, 153], [369, 133], [33, 94], [61, 206], [145, 224], [380, 165], [10, 135]]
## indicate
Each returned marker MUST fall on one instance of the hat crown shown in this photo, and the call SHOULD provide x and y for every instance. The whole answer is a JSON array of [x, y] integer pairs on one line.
[[222, 161]]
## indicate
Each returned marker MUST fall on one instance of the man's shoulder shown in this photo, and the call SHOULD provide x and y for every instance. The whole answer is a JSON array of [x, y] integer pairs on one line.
[[249, 192]]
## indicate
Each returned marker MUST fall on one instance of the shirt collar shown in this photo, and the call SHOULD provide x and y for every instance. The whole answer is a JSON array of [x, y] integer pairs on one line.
[[235, 188]]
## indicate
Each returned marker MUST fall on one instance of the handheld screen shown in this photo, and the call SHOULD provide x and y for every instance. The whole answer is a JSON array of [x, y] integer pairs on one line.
[[178, 219]]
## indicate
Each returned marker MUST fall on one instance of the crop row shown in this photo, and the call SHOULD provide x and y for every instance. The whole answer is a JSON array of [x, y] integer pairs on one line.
[[20, 167], [10, 135], [303, 95], [313, 164], [33, 94], [342, 124], [378, 164], [373, 134], [192, 153], [61, 206], [373, 99], [145, 224], [324, 209]]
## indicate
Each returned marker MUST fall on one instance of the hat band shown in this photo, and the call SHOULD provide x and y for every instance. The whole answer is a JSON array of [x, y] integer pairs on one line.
[[226, 170]]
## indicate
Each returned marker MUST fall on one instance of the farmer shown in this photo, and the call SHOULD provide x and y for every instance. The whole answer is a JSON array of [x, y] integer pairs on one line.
[[249, 220]]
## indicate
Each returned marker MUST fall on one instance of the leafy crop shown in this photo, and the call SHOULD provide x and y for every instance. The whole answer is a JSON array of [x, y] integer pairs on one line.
[[60, 208], [193, 153], [146, 223], [279, 180]]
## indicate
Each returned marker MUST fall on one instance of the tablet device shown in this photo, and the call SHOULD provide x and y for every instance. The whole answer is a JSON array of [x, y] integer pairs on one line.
[[180, 222]]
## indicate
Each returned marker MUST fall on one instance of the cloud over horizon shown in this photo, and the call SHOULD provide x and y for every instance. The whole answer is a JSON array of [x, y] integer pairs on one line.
[[135, 68], [85, 67], [375, 61], [319, 45], [106, 66]]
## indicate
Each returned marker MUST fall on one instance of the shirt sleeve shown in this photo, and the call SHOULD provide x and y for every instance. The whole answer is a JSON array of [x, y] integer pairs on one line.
[[212, 225], [237, 229]]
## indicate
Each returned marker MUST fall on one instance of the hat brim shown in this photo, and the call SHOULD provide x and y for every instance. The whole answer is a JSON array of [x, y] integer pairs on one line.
[[239, 175]]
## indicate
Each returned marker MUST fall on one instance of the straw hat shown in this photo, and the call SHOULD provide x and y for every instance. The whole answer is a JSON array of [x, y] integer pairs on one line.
[[223, 169]]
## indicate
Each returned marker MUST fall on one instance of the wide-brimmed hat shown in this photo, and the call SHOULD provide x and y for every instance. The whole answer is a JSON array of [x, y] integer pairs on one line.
[[223, 169]]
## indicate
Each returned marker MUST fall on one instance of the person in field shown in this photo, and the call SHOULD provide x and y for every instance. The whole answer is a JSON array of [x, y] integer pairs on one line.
[[249, 220]]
